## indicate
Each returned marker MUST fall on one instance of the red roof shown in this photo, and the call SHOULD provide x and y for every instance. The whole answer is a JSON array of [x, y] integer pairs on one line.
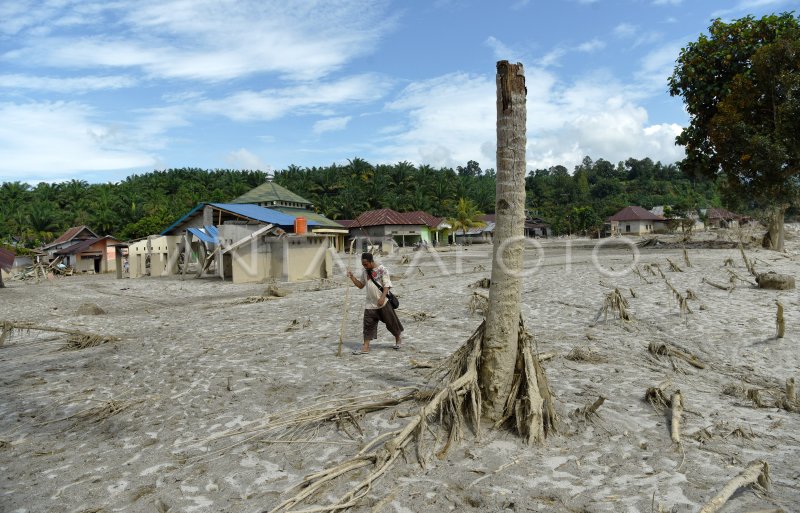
[[635, 214], [347, 223]]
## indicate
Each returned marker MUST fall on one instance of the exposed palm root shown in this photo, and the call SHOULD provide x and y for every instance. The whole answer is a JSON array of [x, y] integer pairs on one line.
[[454, 405]]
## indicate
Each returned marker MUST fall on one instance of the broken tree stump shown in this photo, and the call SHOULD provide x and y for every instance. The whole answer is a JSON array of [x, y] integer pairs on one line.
[[775, 281]]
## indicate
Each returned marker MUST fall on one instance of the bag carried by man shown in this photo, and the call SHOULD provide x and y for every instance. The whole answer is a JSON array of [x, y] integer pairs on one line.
[[391, 298]]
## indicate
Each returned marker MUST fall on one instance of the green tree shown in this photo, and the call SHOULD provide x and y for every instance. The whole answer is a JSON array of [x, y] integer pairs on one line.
[[741, 87], [466, 216]]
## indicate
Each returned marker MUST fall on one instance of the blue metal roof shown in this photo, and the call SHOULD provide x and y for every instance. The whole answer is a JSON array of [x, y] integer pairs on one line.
[[206, 233], [254, 212], [257, 213]]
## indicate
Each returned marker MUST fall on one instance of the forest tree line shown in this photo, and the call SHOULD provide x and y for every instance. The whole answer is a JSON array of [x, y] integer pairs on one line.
[[146, 204]]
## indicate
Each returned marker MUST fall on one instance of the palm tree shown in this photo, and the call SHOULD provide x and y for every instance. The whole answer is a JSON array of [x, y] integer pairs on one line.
[[467, 216]]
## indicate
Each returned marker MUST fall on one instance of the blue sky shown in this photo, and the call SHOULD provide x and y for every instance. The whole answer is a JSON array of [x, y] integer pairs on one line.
[[101, 89]]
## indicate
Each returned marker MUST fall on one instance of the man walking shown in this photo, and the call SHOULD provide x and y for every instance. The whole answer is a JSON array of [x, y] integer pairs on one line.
[[377, 308]]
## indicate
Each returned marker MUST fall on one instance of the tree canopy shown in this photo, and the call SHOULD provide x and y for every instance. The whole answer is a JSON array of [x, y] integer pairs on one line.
[[147, 203], [741, 87]]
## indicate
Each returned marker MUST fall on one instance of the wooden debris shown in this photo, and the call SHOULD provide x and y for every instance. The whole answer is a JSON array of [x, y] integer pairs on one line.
[[633, 293], [478, 303], [483, 283], [663, 349], [641, 276], [728, 262], [616, 304], [749, 265], [676, 402], [683, 304], [77, 339], [581, 354], [686, 258], [756, 474], [674, 267], [780, 323], [254, 299], [657, 398], [729, 288], [590, 410]]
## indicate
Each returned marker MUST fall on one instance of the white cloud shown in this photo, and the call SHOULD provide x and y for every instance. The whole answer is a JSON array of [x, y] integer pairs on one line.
[[244, 159], [304, 99], [58, 140], [331, 124], [744, 6], [452, 120], [667, 2], [65, 85], [625, 30], [211, 40], [501, 50], [591, 46]]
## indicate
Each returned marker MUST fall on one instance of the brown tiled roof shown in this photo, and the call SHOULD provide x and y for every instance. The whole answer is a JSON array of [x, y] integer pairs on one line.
[[381, 217], [424, 218], [635, 214], [721, 213], [70, 234], [347, 223]]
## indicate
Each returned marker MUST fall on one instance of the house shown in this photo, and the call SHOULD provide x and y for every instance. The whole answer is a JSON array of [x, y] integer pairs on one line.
[[388, 229], [534, 227], [68, 238], [635, 221], [721, 218], [97, 255], [276, 197], [243, 242]]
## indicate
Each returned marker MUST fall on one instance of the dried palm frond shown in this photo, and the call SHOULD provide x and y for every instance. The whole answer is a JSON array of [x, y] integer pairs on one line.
[[615, 303]]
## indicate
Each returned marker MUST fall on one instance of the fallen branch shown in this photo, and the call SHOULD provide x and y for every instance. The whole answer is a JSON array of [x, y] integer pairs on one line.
[[756, 474], [77, 339], [590, 410], [729, 288], [674, 267]]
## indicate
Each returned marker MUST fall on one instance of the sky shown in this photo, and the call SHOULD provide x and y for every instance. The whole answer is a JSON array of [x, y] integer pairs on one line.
[[98, 90]]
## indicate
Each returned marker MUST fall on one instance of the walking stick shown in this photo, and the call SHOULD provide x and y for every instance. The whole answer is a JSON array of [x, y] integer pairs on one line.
[[346, 304]]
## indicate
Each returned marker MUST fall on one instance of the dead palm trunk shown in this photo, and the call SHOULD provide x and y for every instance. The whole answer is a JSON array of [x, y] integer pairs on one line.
[[2, 285], [500, 345], [774, 237]]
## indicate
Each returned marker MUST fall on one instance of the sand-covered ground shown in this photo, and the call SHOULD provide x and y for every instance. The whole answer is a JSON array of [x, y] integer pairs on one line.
[[184, 412]]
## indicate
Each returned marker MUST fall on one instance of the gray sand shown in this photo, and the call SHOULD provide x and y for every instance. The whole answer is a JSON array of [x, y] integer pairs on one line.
[[194, 368]]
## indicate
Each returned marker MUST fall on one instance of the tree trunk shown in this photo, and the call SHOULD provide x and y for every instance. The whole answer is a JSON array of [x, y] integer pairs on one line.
[[500, 344], [774, 237], [2, 285]]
